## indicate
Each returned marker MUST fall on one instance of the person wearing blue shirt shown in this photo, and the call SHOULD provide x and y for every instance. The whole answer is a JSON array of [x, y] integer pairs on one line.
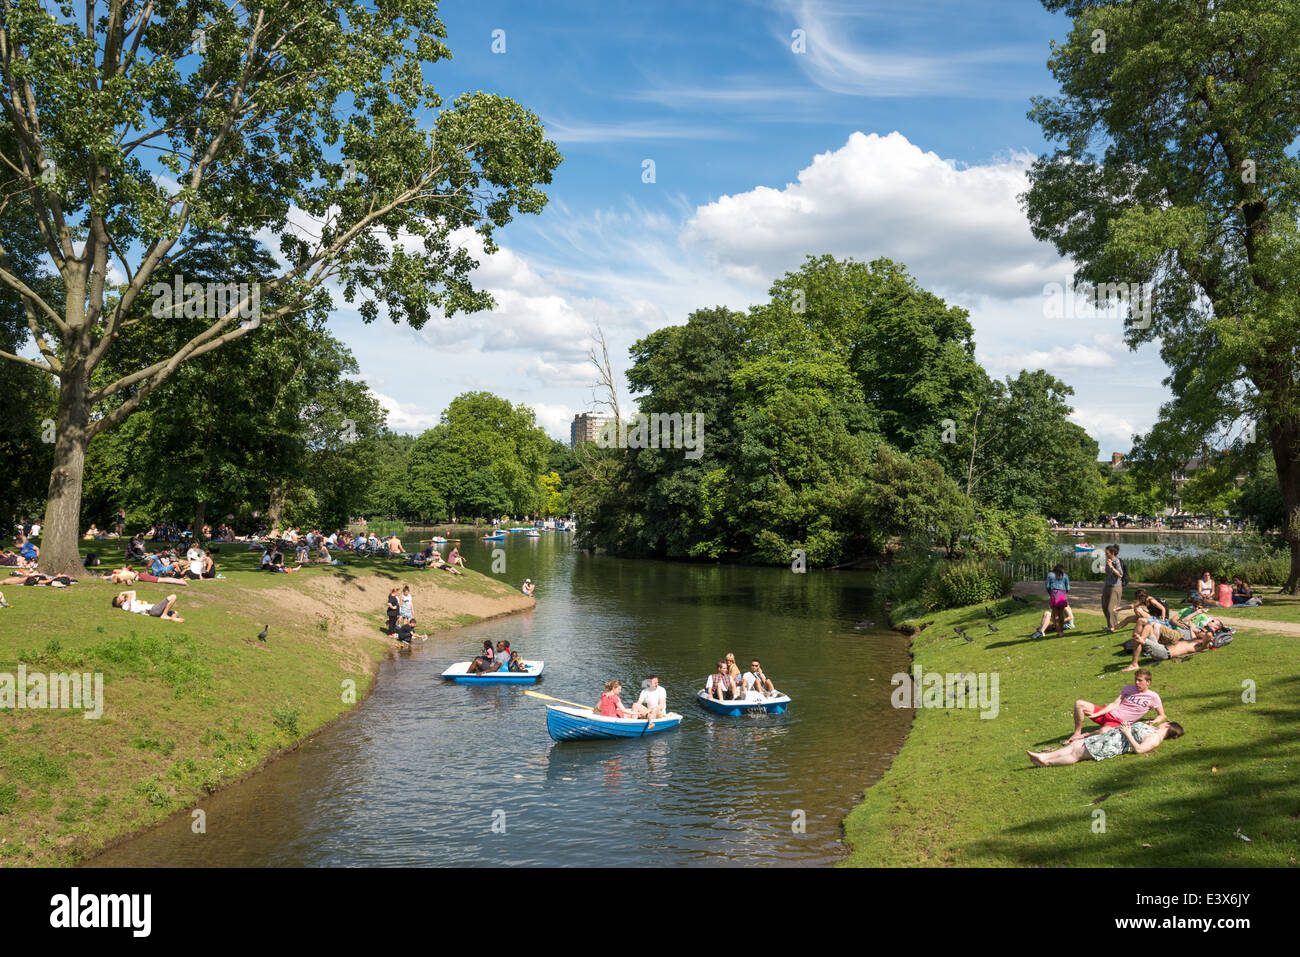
[[1058, 589]]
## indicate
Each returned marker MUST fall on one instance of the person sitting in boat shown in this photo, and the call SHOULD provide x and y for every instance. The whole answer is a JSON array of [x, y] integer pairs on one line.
[[721, 686], [653, 700], [517, 663], [732, 668], [611, 705], [755, 680], [483, 663]]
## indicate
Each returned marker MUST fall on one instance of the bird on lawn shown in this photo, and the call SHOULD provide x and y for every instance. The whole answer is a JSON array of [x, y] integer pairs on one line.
[[261, 635], [992, 628], [1021, 599]]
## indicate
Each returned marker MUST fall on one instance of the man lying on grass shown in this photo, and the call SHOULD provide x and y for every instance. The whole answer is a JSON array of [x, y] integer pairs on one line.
[[127, 601], [1134, 702], [1137, 738], [1162, 643]]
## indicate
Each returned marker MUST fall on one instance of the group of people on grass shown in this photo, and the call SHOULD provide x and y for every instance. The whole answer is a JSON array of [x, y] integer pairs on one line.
[[1160, 633], [728, 683]]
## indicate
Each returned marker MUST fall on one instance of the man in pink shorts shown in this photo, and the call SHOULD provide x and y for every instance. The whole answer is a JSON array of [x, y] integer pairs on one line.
[[1133, 703]]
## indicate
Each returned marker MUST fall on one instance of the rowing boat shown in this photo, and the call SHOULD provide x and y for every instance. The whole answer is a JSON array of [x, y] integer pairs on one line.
[[499, 537], [580, 724], [459, 674], [753, 703], [1085, 548]]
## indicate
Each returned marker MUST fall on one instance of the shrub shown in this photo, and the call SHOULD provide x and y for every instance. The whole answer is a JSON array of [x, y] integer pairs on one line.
[[285, 717], [966, 583]]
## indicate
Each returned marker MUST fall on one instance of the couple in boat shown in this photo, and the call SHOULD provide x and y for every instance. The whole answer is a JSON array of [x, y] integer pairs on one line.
[[728, 684], [499, 659], [652, 703]]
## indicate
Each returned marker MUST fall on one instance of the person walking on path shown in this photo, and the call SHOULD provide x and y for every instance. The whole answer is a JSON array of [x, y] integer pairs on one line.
[[1112, 592]]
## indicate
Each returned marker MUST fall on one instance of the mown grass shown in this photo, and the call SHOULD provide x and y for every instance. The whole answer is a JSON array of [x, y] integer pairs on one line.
[[188, 707], [961, 792]]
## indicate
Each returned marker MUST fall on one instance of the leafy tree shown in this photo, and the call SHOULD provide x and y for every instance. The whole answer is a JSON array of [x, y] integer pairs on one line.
[[147, 128], [1177, 168], [912, 356], [913, 498]]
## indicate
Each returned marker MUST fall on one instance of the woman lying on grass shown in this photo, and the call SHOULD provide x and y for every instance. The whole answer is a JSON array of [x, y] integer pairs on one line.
[[127, 601], [1136, 738]]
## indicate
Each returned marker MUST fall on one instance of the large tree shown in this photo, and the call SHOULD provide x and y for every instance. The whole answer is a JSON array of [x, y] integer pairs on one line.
[[142, 128], [1177, 122]]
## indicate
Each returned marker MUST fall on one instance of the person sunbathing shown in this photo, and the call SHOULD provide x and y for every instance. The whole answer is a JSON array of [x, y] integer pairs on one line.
[[56, 581], [127, 601], [1145, 606], [1136, 738], [126, 575]]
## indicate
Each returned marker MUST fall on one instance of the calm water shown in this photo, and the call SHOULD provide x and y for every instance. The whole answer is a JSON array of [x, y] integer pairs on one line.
[[1144, 543], [421, 772]]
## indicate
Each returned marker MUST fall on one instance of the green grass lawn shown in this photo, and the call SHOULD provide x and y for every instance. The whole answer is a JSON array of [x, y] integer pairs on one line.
[[962, 792], [189, 707]]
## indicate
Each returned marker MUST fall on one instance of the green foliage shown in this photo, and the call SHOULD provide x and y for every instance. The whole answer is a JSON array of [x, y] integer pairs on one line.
[[999, 534], [1198, 197], [966, 583], [1252, 557], [285, 717]]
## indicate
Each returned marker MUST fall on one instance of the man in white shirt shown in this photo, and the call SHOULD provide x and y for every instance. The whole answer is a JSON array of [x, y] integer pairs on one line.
[[653, 702], [755, 680]]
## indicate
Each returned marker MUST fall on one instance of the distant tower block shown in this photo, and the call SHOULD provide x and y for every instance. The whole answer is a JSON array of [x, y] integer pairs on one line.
[[586, 427]]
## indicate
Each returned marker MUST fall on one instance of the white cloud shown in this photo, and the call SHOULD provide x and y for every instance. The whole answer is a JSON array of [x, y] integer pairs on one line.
[[1077, 356], [1113, 431], [958, 229], [554, 419], [836, 61], [407, 418]]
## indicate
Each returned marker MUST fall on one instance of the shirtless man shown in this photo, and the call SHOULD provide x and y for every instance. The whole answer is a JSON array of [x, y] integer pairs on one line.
[[1177, 641]]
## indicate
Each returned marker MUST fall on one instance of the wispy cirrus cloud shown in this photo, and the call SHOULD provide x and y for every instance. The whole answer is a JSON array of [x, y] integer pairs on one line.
[[838, 58]]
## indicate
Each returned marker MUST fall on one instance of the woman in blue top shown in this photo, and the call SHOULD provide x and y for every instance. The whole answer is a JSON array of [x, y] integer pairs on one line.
[[1058, 597]]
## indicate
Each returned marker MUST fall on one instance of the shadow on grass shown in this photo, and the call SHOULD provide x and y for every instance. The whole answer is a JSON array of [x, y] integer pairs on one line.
[[1195, 826]]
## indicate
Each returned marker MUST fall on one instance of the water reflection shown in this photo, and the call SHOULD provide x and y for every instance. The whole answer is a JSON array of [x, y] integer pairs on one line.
[[424, 769]]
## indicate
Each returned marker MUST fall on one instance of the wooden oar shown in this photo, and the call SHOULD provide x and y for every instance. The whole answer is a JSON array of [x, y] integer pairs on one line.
[[572, 704]]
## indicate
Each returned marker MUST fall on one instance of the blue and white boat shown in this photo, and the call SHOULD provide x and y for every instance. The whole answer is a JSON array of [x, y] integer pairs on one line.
[[752, 703], [582, 724], [498, 537], [459, 673], [1085, 548]]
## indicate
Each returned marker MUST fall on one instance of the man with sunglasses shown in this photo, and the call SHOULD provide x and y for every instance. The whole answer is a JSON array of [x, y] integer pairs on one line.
[[755, 680]]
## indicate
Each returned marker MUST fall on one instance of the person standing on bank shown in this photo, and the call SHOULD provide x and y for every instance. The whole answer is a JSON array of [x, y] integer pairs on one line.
[[1112, 591]]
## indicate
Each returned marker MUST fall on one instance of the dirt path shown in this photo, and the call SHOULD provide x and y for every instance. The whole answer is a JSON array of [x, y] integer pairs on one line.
[[1085, 597]]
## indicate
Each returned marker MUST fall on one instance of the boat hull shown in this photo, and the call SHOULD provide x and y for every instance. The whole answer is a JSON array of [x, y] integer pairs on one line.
[[576, 724], [457, 673], [753, 704], [1083, 548]]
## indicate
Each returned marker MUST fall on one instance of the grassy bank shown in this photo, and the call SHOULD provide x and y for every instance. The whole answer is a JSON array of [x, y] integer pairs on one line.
[[191, 707], [961, 792]]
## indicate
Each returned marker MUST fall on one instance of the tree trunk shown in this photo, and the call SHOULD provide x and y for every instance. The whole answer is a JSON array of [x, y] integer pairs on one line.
[[61, 531], [197, 528], [1288, 479], [276, 507]]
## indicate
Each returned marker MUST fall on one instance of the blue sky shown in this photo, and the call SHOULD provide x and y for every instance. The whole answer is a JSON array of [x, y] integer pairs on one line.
[[900, 131]]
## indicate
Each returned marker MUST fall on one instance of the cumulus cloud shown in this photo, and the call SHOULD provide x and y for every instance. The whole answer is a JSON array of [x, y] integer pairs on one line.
[[959, 229], [1113, 431], [403, 417]]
